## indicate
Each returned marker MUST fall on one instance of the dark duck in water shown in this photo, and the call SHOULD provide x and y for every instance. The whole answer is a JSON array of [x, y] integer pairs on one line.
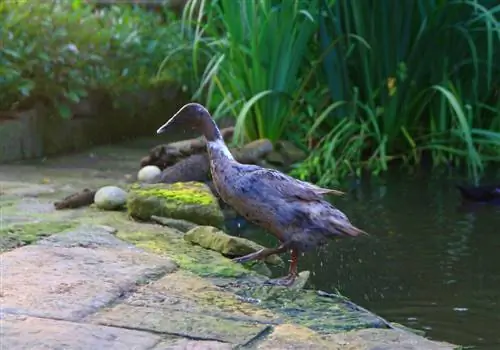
[[292, 210], [483, 194]]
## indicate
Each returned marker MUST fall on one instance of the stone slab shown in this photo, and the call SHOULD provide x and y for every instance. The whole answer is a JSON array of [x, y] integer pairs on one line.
[[186, 344], [181, 323], [67, 281], [385, 339], [28, 333], [184, 291]]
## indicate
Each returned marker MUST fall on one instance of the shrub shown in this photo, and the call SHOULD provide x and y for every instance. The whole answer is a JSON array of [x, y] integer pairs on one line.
[[57, 52]]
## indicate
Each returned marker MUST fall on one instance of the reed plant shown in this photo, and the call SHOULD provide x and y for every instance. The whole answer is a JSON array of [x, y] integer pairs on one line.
[[361, 83], [418, 77]]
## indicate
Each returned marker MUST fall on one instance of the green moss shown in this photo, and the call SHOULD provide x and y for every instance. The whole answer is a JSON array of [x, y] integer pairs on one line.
[[191, 201], [182, 193], [203, 262], [17, 235]]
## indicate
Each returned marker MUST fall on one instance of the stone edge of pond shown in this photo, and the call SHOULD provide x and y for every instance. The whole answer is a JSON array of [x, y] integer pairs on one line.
[[151, 268]]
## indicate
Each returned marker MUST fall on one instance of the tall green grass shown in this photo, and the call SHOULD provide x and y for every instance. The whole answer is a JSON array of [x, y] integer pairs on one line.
[[254, 55], [362, 83], [420, 76]]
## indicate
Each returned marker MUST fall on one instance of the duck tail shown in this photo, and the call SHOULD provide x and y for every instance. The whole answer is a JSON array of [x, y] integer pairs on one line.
[[352, 231], [344, 227]]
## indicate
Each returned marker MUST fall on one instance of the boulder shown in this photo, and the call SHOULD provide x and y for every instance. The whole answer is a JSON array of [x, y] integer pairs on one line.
[[192, 168], [149, 174], [253, 151], [191, 201], [276, 158], [292, 153], [110, 198], [214, 239]]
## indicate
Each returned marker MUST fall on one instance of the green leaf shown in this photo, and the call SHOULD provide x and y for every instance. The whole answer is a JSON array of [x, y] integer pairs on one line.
[[26, 86], [64, 111]]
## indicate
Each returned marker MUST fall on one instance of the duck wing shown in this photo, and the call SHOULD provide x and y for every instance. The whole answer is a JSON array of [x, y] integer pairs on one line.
[[287, 186]]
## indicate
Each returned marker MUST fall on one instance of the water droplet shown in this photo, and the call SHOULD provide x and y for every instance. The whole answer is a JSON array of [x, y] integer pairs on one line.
[[460, 309]]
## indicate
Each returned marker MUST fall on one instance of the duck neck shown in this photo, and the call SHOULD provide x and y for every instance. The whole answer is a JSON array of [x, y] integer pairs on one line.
[[216, 147]]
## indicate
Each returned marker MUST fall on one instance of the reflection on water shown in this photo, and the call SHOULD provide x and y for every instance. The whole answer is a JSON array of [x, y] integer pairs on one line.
[[430, 262]]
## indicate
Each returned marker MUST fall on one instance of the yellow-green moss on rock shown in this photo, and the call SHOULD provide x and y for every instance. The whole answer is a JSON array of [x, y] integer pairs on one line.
[[214, 239], [191, 201]]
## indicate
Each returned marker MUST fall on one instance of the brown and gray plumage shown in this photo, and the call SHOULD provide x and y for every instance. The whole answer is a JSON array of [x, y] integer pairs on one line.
[[292, 210]]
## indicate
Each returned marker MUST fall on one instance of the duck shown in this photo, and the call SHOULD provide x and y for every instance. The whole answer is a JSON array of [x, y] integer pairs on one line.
[[484, 193], [294, 211]]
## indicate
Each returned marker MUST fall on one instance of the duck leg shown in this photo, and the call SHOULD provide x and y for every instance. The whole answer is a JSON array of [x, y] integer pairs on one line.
[[262, 254], [292, 273]]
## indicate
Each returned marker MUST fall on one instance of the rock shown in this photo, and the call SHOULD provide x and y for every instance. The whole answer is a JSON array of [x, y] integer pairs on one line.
[[181, 344], [192, 168], [261, 268], [290, 151], [149, 174], [276, 158], [252, 152], [214, 239], [189, 325], [166, 155], [24, 332], [70, 281], [301, 280], [110, 198], [290, 336], [191, 201], [181, 225], [265, 164], [389, 339]]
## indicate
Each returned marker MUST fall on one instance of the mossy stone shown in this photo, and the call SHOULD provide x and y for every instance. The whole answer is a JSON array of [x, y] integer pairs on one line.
[[214, 239], [200, 261], [191, 201]]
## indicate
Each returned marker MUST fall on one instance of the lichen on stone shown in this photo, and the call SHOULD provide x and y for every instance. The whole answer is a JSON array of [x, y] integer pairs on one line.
[[203, 262], [17, 235]]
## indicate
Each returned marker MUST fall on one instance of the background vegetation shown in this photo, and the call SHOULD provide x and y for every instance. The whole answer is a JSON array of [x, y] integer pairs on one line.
[[361, 83], [57, 52]]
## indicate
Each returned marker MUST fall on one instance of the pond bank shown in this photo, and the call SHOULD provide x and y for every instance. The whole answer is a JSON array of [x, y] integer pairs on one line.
[[93, 279]]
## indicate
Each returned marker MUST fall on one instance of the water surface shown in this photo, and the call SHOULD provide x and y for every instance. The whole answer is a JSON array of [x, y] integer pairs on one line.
[[430, 263]]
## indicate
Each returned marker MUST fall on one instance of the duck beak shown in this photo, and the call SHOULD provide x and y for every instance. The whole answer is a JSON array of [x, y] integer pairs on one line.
[[164, 127]]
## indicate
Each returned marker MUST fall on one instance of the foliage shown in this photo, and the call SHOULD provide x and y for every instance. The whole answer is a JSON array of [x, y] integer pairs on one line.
[[57, 52], [416, 77], [363, 83], [257, 66]]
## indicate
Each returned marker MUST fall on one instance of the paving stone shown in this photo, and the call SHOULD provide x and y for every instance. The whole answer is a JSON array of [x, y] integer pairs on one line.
[[186, 344], [291, 337], [70, 283], [184, 291], [29, 333], [181, 323], [385, 339]]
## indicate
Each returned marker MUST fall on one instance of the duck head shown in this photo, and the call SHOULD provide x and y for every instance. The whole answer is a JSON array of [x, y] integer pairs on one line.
[[193, 116]]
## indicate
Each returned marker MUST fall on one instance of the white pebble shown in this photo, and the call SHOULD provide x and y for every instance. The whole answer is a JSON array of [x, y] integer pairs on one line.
[[149, 174], [110, 198]]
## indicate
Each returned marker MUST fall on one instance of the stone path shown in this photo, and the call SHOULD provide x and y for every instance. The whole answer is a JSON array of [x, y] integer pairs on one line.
[[69, 282]]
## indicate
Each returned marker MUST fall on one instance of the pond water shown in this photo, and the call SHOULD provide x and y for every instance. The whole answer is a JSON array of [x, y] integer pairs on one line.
[[431, 262]]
